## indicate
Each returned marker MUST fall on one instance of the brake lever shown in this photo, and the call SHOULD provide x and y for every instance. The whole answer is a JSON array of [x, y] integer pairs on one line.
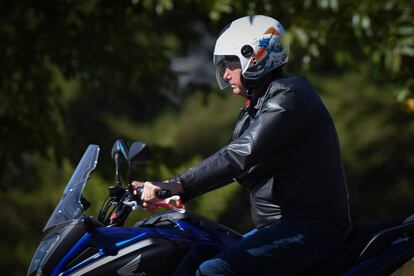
[[133, 204]]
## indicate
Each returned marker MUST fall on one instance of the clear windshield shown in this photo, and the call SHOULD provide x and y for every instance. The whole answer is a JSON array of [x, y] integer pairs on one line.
[[70, 206]]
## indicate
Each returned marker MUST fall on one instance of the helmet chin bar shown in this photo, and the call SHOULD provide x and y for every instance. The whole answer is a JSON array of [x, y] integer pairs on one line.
[[252, 85], [243, 81]]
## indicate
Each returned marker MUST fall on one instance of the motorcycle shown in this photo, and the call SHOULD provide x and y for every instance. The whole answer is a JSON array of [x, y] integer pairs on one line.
[[176, 241]]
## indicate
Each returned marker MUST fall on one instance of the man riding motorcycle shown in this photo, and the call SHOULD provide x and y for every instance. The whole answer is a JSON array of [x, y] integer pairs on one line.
[[284, 150]]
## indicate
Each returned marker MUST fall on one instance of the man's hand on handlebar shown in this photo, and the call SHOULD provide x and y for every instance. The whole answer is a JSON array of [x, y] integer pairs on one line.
[[151, 189]]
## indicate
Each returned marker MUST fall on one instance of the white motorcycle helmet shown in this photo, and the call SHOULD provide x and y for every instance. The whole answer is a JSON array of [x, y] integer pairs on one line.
[[255, 42]]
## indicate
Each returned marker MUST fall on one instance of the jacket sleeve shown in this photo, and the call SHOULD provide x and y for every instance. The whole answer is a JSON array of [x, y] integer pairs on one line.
[[280, 121]]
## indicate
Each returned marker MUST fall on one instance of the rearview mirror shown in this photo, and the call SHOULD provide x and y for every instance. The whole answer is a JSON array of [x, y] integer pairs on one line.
[[138, 153], [119, 148]]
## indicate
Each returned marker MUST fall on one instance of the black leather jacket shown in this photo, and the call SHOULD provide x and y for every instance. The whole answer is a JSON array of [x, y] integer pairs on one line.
[[285, 151]]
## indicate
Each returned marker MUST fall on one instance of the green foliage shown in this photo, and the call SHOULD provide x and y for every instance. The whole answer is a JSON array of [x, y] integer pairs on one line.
[[117, 54], [186, 130], [25, 210], [376, 136]]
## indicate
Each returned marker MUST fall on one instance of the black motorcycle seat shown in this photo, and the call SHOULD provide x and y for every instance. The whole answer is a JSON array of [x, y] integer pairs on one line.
[[351, 251]]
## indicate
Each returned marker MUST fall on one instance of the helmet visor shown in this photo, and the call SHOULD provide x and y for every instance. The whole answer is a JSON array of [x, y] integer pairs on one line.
[[221, 63]]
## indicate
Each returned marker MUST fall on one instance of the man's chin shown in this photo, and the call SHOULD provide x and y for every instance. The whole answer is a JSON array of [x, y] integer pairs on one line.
[[235, 90], [239, 93]]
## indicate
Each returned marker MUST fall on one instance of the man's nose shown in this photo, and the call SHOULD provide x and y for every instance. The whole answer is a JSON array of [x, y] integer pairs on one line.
[[227, 74]]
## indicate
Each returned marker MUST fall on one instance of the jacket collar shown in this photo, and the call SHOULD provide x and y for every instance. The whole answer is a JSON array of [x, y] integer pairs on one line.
[[260, 96]]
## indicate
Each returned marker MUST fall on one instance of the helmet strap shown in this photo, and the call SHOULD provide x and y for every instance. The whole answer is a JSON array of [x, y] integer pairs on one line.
[[248, 85], [253, 85]]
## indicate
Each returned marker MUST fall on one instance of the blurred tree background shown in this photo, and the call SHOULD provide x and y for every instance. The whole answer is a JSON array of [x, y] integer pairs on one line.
[[75, 73]]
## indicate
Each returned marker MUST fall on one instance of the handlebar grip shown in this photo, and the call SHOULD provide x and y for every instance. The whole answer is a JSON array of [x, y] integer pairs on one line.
[[162, 194]]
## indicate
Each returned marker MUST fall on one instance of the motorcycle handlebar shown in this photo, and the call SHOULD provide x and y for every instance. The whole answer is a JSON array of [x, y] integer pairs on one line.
[[161, 194], [164, 196]]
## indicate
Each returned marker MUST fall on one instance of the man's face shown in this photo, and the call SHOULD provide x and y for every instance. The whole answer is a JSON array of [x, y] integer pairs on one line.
[[232, 75]]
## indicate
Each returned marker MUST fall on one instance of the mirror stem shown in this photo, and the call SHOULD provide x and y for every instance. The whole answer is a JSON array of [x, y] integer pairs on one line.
[[117, 180], [129, 174]]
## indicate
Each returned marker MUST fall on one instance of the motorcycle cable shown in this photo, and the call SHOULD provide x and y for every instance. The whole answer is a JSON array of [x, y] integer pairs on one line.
[[104, 209], [119, 213]]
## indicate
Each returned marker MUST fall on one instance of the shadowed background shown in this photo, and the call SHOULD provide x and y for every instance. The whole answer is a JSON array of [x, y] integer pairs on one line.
[[75, 73]]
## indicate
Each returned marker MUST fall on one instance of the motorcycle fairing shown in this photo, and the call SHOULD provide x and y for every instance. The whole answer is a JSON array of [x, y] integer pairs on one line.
[[70, 206], [194, 234]]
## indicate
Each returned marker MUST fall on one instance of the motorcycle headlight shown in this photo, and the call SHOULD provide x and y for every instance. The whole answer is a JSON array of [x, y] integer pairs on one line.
[[42, 253]]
